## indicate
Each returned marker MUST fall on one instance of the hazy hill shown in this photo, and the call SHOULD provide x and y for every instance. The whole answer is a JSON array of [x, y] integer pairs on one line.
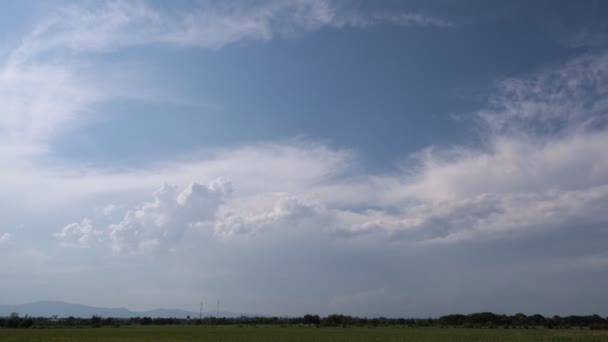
[[63, 309]]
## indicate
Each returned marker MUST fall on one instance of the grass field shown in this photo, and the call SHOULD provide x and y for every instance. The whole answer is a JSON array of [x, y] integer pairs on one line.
[[275, 333]]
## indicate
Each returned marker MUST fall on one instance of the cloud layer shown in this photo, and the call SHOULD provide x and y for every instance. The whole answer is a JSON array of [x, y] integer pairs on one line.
[[520, 181]]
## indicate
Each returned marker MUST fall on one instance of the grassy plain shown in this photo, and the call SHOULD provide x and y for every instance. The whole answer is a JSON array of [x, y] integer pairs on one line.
[[294, 333]]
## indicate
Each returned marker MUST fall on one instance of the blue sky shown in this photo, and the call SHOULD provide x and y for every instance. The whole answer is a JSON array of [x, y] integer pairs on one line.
[[396, 158]]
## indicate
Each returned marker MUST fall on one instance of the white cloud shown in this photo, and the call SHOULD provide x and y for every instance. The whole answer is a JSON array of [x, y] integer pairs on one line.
[[597, 261], [4, 238], [78, 234], [47, 88], [485, 216], [561, 99], [109, 209], [158, 224], [359, 19], [284, 213], [275, 188], [288, 167], [512, 187], [516, 183], [115, 24], [543, 166], [39, 101]]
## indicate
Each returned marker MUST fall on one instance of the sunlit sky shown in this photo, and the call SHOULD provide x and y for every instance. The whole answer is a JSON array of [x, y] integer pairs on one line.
[[394, 158]]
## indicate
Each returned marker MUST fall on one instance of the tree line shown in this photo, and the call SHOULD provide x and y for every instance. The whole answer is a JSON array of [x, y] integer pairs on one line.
[[476, 320]]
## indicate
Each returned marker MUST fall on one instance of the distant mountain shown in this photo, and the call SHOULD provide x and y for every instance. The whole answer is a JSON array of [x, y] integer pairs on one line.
[[63, 309]]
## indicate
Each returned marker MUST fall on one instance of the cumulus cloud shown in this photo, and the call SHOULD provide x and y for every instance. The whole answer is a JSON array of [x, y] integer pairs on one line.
[[160, 223], [78, 234], [275, 189], [285, 213]]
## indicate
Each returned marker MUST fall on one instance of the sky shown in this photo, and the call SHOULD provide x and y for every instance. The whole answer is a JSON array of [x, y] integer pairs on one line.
[[391, 158]]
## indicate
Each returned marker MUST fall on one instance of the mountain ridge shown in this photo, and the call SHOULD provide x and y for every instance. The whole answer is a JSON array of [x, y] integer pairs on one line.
[[47, 308]]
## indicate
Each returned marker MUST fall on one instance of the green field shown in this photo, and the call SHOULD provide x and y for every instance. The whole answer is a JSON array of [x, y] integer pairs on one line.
[[294, 333]]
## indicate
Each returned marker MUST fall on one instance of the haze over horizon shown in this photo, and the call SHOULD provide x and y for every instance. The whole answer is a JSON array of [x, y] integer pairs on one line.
[[392, 158]]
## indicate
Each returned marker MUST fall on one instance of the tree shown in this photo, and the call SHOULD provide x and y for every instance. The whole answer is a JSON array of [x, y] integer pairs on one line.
[[13, 321], [96, 321], [108, 321], [312, 319]]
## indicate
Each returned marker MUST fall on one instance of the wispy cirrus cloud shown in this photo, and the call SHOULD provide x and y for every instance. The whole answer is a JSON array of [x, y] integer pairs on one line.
[[39, 101], [553, 101], [112, 25], [362, 20], [48, 86]]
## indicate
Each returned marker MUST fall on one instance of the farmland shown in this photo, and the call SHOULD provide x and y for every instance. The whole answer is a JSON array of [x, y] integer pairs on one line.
[[296, 333]]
